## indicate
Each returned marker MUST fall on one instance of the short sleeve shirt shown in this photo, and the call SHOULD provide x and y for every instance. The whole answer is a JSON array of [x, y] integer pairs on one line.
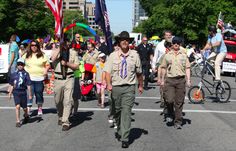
[[218, 38], [176, 64], [113, 66], [13, 49], [20, 80], [98, 69]]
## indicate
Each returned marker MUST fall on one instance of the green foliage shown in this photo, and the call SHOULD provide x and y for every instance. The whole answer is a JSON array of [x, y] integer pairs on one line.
[[186, 18]]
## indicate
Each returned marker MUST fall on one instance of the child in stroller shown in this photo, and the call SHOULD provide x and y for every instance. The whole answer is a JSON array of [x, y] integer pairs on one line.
[[87, 85]]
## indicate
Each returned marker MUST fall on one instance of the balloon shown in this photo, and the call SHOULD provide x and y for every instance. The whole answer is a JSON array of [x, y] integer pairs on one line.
[[80, 25]]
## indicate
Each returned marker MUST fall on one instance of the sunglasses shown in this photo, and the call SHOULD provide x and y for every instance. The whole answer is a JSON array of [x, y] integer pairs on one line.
[[33, 45], [20, 64], [77, 37], [176, 43]]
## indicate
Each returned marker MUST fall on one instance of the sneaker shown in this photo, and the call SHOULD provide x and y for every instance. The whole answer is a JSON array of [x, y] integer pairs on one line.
[[110, 120], [115, 126], [178, 126], [65, 127], [29, 111], [40, 111], [169, 119], [18, 124]]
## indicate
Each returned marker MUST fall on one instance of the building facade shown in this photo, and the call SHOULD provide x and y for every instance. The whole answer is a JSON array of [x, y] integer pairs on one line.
[[139, 13], [87, 9]]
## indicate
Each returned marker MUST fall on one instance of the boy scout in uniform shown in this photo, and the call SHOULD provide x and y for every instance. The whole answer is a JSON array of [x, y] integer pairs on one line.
[[177, 66], [64, 82], [122, 67]]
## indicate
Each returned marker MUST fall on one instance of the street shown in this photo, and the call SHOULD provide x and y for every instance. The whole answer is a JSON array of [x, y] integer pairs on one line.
[[207, 127]]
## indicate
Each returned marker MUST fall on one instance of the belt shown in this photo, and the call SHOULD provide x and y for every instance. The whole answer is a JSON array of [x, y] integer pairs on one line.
[[64, 78], [178, 77]]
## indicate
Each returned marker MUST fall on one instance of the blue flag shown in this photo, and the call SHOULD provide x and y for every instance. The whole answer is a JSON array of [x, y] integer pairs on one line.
[[101, 18]]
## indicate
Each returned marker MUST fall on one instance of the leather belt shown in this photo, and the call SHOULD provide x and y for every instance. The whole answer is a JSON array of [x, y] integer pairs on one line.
[[64, 78]]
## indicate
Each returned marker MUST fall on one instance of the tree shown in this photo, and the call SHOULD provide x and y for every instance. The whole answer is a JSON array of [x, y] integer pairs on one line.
[[186, 18]]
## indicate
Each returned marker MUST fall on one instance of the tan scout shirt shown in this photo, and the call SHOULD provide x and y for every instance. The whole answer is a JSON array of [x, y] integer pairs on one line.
[[73, 58], [175, 64], [113, 66], [91, 59]]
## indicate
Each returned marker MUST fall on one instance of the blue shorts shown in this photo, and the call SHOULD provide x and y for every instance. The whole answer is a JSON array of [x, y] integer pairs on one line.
[[20, 98]]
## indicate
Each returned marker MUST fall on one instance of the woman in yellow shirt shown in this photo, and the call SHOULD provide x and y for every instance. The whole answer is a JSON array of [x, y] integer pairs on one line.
[[37, 65]]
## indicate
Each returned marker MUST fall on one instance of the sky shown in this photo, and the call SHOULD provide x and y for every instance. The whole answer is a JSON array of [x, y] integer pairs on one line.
[[120, 15]]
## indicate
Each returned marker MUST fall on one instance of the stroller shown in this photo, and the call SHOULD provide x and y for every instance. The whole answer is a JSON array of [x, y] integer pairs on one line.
[[88, 89]]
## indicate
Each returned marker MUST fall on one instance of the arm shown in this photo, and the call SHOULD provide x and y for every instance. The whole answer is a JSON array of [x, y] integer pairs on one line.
[[29, 91], [108, 81], [188, 73], [12, 59], [73, 66]]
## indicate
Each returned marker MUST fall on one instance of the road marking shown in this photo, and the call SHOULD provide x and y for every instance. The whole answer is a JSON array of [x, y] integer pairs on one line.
[[3, 86], [139, 110], [138, 97]]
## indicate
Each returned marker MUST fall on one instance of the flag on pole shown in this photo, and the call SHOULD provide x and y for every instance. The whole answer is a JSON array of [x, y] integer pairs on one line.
[[56, 6], [220, 22], [102, 19]]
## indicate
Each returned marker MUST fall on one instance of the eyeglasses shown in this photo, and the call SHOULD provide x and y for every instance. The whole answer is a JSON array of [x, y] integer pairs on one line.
[[77, 37], [33, 45]]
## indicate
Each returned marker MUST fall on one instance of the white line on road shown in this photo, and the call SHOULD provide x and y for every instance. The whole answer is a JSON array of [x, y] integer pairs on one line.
[[138, 97], [3, 86], [140, 110]]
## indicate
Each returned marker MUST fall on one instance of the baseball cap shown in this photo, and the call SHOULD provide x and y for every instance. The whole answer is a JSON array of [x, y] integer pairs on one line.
[[101, 55], [177, 40], [20, 60]]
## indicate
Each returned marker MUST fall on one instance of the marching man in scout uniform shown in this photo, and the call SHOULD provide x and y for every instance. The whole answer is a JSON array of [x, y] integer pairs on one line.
[[176, 66], [123, 67], [65, 61]]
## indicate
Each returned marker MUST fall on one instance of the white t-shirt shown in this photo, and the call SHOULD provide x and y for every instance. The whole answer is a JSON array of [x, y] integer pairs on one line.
[[159, 51]]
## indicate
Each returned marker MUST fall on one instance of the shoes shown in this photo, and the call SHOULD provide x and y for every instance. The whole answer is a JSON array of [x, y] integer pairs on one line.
[[102, 106], [65, 127], [59, 122], [117, 136], [162, 105], [18, 124], [169, 119], [115, 125], [29, 111], [124, 144], [178, 126], [26, 119], [145, 88], [40, 111], [110, 119]]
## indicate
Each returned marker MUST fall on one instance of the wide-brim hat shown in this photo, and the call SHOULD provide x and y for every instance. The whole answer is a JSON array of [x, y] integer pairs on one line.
[[124, 35]]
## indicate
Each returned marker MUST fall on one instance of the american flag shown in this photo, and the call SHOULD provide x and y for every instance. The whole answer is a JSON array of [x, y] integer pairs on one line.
[[220, 22], [56, 6]]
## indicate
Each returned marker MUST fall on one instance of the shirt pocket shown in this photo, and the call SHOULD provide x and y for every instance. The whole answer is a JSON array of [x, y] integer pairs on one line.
[[115, 67]]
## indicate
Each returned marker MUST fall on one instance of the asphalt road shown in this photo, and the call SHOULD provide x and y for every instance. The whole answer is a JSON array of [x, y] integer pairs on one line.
[[207, 127]]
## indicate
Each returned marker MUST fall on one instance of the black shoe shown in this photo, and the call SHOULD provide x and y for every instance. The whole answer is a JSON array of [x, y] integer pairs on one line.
[[65, 127], [59, 122], [117, 136], [124, 144], [145, 88], [18, 124], [162, 105]]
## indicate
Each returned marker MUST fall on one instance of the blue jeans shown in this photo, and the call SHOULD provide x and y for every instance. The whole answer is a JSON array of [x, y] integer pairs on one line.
[[37, 88]]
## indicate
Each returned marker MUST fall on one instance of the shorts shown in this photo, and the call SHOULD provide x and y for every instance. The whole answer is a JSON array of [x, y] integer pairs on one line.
[[100, 86], [20, 98]]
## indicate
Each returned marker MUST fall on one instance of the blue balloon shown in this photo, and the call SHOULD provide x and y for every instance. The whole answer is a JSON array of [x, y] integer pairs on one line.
[[17, 39]]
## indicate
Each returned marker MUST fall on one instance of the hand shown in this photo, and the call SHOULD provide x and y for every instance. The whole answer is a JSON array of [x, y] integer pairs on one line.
[[109, 87], [162, 83], [30, 97], [158, 81], [140, 89], [82, 82], [63, 62], [188, 83]]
